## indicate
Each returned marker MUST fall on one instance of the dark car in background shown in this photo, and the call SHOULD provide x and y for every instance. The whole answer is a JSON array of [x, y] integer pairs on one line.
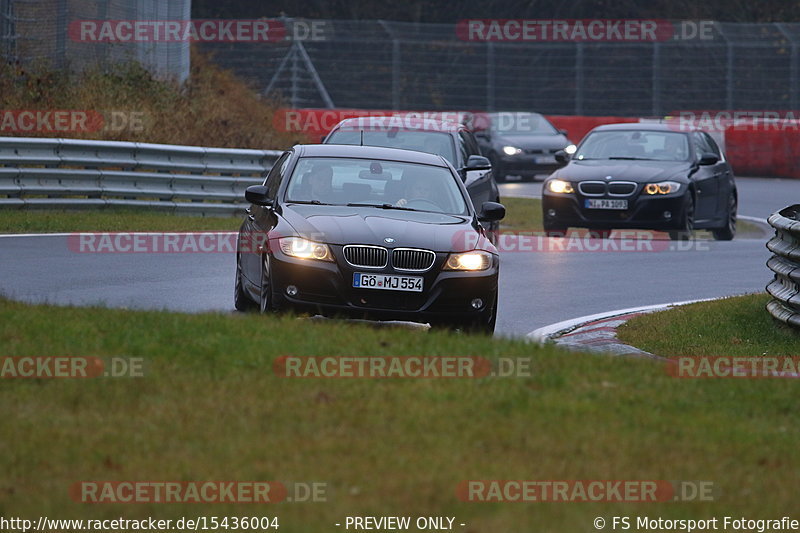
[[448, 139], [340, 230], [521, 144], [643, 176]]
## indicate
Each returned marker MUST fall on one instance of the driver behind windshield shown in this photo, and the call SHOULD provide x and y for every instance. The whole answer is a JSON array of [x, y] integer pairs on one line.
[[418, 189], [317, 184]]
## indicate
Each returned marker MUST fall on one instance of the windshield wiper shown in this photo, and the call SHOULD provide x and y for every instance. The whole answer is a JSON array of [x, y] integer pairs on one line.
[[312, 202], [382, 206], [628, 158]]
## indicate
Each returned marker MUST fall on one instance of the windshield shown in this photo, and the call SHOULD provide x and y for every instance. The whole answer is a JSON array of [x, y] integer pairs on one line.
[[514, 124], [632, 144], [432, 142], [378, 183]]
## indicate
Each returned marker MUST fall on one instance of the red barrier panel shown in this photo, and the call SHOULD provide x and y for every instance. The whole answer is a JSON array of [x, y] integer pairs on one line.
[[763, 151]]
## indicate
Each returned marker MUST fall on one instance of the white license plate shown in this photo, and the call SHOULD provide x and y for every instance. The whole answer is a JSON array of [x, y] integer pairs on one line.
[[546, 159], [606, 204], [387, 282]]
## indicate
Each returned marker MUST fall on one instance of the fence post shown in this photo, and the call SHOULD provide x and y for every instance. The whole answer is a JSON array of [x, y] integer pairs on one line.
[[579, 79], [657, 105], [793, 88], [729, 78], [395, 74]]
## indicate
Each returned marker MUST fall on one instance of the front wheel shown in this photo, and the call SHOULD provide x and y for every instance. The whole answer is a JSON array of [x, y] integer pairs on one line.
[[686, 230], [241, 301], [266, 297], [728, 231]]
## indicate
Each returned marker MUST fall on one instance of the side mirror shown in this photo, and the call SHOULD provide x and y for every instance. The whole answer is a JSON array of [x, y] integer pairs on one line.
[[258, 195], [477, 162], [491, 212], [561, 156], [707, 158]]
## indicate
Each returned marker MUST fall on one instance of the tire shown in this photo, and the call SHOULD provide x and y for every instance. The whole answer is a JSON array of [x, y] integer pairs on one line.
[[266, 303], [554, 230], [728, 231], [686, 230], [241, 301]]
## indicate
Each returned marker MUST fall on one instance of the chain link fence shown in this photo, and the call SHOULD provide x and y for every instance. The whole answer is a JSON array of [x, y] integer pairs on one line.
[[42, 33], [393, 65]]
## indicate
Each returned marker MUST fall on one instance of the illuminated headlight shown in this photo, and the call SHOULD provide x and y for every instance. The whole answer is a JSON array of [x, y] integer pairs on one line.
[[664, 187], [571, 149], [560, 186], [475, 260], [511, 150], [305, 249]]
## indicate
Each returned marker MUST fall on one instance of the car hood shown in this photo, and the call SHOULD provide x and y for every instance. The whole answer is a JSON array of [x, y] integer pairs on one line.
[[368, 225], [530, 142], [636, 171]]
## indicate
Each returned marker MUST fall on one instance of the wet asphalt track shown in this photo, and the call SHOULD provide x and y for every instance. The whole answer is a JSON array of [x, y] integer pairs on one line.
[[536, 287]]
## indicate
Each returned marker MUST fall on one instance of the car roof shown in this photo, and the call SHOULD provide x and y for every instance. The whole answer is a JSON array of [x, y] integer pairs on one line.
[[646, 126], [369, 152], [374, 123]]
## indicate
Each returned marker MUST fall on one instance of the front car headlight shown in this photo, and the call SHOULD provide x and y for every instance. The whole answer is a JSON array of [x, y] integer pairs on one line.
[[474, 261], [560, 186], [305, 249], [663, 187], [511, 150], [570, 149]]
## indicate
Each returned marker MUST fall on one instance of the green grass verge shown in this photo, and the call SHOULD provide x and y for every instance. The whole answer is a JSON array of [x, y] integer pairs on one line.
[[210, 408], [522, 215], [737, 326]]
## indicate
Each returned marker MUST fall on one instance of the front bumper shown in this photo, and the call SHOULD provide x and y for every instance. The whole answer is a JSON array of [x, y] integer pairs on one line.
[[644, 212], [527, 164], [327, 288]]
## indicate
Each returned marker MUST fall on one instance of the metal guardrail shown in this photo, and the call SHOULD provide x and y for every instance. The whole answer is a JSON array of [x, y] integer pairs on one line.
[[73, 173], [785, 263]]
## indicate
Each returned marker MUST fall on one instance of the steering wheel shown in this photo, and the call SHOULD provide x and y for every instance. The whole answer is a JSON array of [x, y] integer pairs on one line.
[[424, 202]]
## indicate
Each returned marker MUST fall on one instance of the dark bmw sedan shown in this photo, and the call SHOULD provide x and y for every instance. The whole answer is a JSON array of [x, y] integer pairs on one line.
[[519, 143], [643, 176], [368, 232]]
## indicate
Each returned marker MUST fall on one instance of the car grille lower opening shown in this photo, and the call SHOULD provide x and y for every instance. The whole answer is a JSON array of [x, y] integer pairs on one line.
[[412, 260], [366, 256]]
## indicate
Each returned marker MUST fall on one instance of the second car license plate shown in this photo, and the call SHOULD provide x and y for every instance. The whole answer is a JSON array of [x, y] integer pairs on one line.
[[546, 159], [606, 204], [386, 282]]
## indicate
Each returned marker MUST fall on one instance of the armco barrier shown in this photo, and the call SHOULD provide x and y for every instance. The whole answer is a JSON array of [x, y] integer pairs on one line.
[[785, 263], [46, 173]]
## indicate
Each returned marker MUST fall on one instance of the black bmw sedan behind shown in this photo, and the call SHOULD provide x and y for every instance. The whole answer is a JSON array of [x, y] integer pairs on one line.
[[368, 232], [643, 176]]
